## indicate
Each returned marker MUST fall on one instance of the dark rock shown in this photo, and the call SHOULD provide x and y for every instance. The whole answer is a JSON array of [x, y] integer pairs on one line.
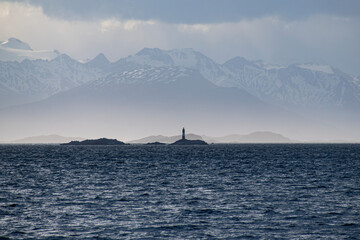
[[189, 142], [156, 143], [100, 141]]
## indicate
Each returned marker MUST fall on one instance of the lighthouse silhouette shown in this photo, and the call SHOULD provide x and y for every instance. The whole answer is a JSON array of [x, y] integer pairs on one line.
[[183, 134]]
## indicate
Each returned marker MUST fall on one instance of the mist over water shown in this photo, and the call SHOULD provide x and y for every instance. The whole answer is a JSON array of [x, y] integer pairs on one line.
[[302, 191]]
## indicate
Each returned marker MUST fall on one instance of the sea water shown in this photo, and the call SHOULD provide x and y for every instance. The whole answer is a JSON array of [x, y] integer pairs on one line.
[[245, 191]]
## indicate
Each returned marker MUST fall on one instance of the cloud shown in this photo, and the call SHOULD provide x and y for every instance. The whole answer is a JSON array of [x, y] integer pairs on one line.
[[194, 27], [194, 12], [129, 25], [322, 38]]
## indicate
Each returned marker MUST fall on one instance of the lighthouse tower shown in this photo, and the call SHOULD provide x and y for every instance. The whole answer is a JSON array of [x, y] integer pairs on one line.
[[183, 134]]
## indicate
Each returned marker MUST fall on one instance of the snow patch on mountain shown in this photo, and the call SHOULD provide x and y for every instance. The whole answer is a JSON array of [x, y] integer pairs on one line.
[[150, 75], [318, 68], [356, 81], [15, 44], [186, 57], [16, 50], [151, 57], [268, 66]]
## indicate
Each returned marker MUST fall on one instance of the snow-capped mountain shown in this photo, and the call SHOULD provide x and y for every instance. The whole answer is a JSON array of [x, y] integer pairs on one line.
[[14, 43], [159, 83], [314, 91], [139, 101], [15, 50], [100, 62], [302, 85], [32, 80], [294, 86], [172, 86], [154, 57]]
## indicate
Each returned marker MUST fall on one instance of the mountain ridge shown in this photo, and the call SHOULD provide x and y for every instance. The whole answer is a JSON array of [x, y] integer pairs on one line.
[[168, 78], [16, 50], [46, 139], [157, 97], [297, 85], [15, 43], [254, 137]]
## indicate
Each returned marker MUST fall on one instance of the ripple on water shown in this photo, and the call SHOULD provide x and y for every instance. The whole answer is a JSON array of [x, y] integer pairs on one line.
[[219, 191]]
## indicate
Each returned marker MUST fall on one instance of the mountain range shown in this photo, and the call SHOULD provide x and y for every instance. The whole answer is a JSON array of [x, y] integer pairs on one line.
[[46, 139], [162, 90], [255, 137]]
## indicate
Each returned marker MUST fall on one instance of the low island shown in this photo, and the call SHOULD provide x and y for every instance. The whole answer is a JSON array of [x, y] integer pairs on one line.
[[156, 143], [115, 142], [184, 141], [189, 142], [100, 142]]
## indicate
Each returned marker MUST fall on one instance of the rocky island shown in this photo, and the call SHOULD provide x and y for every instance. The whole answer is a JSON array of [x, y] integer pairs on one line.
[[156, 143], [189, 142], [100, 141], [184, 141]]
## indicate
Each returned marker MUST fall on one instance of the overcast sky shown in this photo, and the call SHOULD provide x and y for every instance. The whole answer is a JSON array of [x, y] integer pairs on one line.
[[282, 31]]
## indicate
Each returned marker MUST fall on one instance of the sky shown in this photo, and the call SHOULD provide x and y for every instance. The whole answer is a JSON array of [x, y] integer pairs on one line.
[[276, 31]]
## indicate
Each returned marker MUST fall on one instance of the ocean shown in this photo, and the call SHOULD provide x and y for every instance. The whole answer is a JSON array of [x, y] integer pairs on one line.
[[244, 191]]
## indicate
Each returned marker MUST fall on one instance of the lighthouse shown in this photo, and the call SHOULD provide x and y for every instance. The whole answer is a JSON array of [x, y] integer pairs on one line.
[[183, 134]]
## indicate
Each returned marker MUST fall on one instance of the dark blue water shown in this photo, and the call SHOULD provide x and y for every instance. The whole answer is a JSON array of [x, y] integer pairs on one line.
[[275, 191]]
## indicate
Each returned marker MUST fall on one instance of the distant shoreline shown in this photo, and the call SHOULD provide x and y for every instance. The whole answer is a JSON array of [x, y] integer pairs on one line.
[[166, 144]]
